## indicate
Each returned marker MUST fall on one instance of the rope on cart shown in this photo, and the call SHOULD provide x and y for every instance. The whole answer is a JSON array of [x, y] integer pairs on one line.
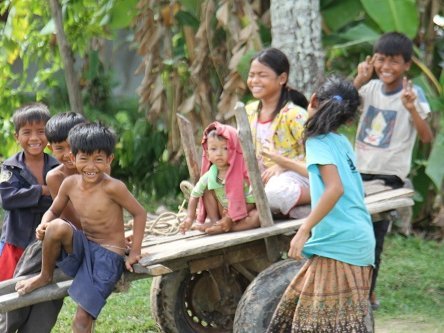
[[167, 223]]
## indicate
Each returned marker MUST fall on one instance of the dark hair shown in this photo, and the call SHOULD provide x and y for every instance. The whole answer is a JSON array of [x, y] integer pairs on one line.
[[338, 102], [57, 128], [394, 43], [277, 61], [213, 134], [91, 137], [30, 113]]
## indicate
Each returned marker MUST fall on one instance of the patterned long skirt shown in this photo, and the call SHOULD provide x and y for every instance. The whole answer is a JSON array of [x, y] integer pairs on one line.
[[326, 296]]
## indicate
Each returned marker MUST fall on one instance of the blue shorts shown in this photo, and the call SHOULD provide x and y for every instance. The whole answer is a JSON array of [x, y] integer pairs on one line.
[[95, 270]]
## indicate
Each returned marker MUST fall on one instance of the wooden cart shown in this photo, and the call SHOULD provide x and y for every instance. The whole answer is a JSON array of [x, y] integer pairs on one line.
[[223, 283]]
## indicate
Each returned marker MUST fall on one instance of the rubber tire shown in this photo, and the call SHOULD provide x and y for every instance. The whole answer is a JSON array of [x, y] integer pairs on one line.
[[167, 305], [260, 299]]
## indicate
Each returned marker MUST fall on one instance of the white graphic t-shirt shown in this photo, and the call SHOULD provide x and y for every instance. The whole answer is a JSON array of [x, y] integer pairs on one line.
[[386, 133]]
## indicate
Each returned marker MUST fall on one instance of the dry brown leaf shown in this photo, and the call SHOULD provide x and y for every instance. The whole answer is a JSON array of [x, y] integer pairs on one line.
[[222, 14], [187, 105]]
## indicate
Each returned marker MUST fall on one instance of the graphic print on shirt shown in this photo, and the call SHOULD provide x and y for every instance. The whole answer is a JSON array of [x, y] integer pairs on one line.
[[351, 164], [377, 127]]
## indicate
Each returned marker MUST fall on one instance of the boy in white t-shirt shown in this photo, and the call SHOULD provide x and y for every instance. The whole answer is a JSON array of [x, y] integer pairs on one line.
[[394, 112]]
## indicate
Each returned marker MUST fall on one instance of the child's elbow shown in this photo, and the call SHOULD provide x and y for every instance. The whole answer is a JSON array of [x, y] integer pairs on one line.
[[339, 191], [427, 137]]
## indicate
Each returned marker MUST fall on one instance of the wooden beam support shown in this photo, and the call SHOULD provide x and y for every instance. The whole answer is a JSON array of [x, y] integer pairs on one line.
[[189, 147], [52, 291], [248, 149], [8, 286]]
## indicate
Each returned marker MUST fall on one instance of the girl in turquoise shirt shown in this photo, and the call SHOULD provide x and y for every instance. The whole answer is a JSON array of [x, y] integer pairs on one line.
[[330, 293]]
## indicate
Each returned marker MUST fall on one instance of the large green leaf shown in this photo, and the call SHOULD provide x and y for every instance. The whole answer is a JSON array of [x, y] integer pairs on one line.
[[340, 13], [394, 15], [122, 13], [434, 167], [360, 33]]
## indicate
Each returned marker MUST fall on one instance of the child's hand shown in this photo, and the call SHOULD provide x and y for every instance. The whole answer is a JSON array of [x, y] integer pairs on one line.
[[45, 190], [270, 172], [408, 96], [269, 152], [41, 230], [365, 71], [297, 244], [131, 260], [186, 225]]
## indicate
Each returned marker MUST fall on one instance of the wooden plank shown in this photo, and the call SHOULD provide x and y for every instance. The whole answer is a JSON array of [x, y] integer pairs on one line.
[[13, 301], [189, 147], [389, 195], [154, 240], [8, 286], [384, 206], [190, 247], [248, 150]]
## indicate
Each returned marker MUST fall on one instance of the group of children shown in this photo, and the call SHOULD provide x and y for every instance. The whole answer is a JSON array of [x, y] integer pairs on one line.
[[74, 210], [342, 244], [338, 237]]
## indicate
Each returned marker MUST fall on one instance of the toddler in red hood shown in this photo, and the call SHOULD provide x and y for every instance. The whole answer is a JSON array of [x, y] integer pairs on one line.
[[223, 191]]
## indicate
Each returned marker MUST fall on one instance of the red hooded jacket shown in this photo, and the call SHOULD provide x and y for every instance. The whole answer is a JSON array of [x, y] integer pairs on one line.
[[236, 174]]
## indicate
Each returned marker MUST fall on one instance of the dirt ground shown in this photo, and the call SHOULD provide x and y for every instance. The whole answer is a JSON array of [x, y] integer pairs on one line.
[[407, 326]]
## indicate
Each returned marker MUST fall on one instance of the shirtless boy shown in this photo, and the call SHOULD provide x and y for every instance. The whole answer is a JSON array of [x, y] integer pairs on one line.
[[57, 130], [99, 201], [41, 317]]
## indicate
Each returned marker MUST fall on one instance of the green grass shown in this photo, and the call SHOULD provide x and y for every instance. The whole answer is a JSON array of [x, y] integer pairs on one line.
[[411, 281], [410, 288], [123, 313]]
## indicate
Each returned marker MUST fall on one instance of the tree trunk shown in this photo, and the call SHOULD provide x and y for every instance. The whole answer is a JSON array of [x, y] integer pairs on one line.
[[296, 30], [72, 83]]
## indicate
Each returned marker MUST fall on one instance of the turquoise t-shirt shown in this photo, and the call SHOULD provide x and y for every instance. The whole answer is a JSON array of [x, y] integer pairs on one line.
[[346, 232]]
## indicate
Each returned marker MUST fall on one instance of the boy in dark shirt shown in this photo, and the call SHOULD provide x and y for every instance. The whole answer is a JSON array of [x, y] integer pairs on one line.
[[24, 194]]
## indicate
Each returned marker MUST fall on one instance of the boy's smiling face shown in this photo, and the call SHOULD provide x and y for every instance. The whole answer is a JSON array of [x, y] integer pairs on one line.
[[32, 138], [390, 70], [61, 151], [92, 166]]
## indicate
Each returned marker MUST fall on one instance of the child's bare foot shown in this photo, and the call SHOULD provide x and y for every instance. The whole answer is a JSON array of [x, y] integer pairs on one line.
[[26, 286], [201, 226], [223, 225], [214, 230]]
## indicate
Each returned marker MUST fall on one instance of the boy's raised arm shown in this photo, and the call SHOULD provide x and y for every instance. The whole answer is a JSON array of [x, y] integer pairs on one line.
[[365, 72], [408, 99], [56, 209]]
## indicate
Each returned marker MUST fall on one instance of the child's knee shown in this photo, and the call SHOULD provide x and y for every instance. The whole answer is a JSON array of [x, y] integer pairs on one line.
[[82, 320], [58, 230]]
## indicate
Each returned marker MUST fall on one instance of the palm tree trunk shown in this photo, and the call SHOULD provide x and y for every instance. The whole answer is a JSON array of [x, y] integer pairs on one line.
[[296, 30], [72, 83]]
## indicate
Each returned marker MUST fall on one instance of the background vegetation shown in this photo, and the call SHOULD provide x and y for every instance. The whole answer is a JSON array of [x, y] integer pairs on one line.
[[195, 57]]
